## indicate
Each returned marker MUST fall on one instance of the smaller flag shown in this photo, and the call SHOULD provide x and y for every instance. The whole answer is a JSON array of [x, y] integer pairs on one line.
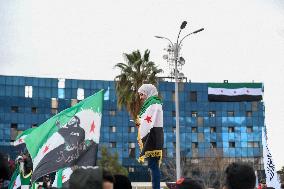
[[62, 178], [20, 181], [21, 138]]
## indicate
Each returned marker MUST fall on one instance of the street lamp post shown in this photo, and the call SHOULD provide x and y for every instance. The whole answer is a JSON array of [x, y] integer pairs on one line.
[[176, 47]]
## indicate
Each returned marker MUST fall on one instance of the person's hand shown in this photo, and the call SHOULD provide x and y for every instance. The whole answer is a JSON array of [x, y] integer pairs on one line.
[[137, 122]]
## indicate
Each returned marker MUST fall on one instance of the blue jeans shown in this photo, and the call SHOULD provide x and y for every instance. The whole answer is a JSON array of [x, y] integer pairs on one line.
[[153, 164]]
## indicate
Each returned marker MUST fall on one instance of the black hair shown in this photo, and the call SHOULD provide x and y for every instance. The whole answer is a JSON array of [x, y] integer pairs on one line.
[[240, 176], [185, 183], [122, 182], [4, 169], [86, 178], [107, 176]]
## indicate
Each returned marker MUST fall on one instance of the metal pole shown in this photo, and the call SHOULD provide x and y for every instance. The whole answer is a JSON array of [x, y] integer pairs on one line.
[[177, 114]]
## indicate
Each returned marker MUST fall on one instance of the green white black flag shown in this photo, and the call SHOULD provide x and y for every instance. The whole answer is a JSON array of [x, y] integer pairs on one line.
[[234, 92], [61, 140]]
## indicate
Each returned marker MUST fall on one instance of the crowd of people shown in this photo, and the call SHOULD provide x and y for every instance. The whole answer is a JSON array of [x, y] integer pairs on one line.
[[237, 176]]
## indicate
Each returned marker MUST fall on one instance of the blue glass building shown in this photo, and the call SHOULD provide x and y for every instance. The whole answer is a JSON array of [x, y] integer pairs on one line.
[[231, 128]]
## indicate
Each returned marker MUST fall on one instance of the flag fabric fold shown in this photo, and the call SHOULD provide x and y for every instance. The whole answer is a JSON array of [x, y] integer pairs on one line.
[[63, 139]]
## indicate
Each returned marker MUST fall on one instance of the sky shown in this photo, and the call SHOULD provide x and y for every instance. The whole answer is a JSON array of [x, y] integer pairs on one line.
[[243, 41]]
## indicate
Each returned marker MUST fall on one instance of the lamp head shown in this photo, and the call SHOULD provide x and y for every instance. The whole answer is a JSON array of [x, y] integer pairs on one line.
[[182, 26]]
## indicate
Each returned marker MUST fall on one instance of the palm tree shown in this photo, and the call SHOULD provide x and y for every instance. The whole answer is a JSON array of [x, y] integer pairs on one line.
[[135, 71]]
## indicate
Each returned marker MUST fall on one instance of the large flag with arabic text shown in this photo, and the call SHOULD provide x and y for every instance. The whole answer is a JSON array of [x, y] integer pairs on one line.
[[63, 139]]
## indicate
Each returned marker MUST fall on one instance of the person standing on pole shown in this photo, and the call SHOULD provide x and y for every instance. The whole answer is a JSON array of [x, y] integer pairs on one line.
[[150, 131]]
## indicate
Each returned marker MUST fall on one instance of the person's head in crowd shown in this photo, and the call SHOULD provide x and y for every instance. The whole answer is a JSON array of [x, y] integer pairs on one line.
[[4, 170], [122, 182], [86, 178], [188, 183], [263, 184], [108, 180], [239, 176]]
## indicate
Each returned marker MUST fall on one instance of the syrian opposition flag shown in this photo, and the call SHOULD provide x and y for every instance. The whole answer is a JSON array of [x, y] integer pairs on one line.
[[65, 138], [234, 92], [269, 166], [21, 138], [62, 178], [18, 181], [150, 132]]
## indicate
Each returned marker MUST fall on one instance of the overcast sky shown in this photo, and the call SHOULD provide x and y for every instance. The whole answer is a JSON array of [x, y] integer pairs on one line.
[[243, 41]]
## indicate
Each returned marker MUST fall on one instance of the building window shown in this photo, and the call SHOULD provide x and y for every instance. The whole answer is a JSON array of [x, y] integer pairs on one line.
[[14, 132], [112, 112], [193, 96], [112, 129], [231, 113], [131, 169], [28, 91], [131, 152], [174, 129], [213, 145], [131, 129], [173, 96], [193, 113], [61, 83], [212, 114], [253, 144], [15, 109], [249, 129], [174, 144], [34, 110], [54, 103], [200, 121], [249, 113], [174, 113], [14, 125], [61, 93], [131, 145], [213, 130], [54, 111], [74, 102], [80, 94], [231, 129], [194, 129], [194, 145], [232, 145], [250, 144], [112, 144], [254, 106]]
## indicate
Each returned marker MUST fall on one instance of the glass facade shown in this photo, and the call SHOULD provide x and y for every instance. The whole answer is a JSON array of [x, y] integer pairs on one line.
[[233, 129]]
